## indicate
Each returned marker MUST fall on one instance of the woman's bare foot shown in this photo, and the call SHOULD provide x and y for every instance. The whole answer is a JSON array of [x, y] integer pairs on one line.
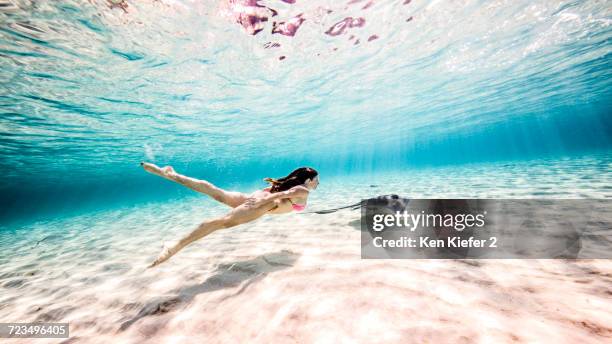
[[164, 172], [165, 254]]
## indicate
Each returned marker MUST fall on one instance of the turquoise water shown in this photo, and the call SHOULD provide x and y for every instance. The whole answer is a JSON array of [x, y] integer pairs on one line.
[[424, 99], [91, 89], [281, 276]]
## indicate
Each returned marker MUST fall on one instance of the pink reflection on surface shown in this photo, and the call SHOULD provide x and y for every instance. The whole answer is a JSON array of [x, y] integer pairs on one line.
[[343, 25], [290, 27], [251, 15]]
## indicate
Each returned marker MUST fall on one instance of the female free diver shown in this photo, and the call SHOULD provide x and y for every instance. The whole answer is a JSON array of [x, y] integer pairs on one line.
[[284, 195]]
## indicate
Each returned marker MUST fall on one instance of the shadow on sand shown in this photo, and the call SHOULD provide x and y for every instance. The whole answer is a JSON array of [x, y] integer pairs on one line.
[[241, 273]]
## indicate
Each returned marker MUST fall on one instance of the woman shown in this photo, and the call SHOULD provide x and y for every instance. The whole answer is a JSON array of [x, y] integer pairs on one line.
[[283, 196]]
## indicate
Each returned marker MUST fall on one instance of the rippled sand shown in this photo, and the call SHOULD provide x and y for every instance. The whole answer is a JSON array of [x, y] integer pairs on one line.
[[299, 278]]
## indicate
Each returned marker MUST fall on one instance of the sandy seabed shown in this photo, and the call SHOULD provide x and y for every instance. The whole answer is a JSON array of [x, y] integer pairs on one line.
[[295, 278]]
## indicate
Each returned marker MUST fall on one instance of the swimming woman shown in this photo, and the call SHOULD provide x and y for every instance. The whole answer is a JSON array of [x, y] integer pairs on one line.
[[284, 195]]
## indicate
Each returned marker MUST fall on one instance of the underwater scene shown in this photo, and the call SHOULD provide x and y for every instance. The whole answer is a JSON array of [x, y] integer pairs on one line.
[[134, 127]]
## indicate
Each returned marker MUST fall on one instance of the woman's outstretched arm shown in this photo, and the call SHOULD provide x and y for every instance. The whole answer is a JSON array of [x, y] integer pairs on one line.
[[298, 191]]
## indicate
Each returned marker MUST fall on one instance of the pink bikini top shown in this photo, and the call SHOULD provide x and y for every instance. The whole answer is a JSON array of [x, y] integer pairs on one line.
[[297, 207]]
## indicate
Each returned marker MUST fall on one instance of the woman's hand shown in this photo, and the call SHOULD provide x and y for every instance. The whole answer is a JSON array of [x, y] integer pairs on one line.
[[294, 192], [253, 202], [297, 192]]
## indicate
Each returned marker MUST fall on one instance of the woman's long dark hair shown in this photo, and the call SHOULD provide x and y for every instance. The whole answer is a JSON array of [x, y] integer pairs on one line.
[[297, 177]]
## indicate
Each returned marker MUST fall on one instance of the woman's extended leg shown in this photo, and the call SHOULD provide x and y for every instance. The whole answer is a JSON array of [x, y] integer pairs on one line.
[[231, 198], [244, 213]]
